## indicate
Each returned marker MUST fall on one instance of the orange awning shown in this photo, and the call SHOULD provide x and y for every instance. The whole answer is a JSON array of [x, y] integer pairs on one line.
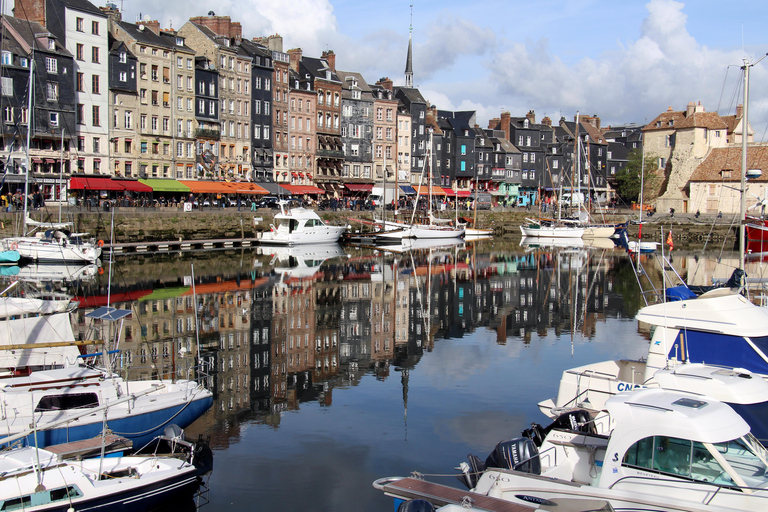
[[247, 188], [207, 187], [302, 189], [423, 190]]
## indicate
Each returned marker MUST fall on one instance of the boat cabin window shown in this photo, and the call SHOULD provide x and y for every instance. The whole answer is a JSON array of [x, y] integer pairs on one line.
[[697, 461], [41, 498], [67, 401]]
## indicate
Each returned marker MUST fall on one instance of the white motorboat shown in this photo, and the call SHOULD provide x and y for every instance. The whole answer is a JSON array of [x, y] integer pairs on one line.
[[300, 226], [642, 247], [36, 480], [654, 450], [54, 242], [590, 386], [54, 400]]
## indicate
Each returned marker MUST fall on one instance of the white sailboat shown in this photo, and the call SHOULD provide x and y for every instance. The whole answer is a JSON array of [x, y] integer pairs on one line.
[[433, 227]]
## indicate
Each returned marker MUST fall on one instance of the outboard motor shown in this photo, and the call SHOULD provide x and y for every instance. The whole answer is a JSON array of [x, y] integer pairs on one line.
[[416, 506], [470, 471], [519, 454], [737, 279]]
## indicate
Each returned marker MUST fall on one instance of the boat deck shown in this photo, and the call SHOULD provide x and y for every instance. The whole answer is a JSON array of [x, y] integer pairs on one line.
[[90, 447], [439, 495]]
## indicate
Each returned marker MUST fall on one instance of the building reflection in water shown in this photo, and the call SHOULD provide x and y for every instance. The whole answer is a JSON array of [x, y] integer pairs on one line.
[[285, 326]]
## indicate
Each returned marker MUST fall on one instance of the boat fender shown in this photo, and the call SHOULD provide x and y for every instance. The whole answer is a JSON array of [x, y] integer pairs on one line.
[[101, 270], [14, 246], [100, 243]]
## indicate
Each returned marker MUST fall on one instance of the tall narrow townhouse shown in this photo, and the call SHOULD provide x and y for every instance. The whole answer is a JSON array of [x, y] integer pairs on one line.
[[234, 67], [208, 130], [302, 110], [262, 71], [53, 107], [278, 88], [329, 151], [384, 131], [124, 105], [82, 28], [356, 132], [163, 119]]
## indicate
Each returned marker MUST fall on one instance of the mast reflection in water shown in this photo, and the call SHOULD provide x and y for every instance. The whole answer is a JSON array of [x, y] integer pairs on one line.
[[301, 346]]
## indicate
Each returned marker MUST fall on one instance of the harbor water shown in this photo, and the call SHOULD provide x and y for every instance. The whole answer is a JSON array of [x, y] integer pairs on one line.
[[332, 367]]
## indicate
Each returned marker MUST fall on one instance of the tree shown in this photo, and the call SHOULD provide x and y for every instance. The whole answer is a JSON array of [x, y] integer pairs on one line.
[[628, 178]]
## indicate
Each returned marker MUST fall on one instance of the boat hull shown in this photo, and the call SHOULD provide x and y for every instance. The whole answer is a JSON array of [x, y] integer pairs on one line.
[[141, 428], [552, 231]]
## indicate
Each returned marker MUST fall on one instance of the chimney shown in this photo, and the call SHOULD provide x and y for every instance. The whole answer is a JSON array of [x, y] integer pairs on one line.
[[493, 124], [295, 57], [546, 121], [220, 25], [739, 111], [32, 10], [331, 58], [112, 12], [506, 118], [690, 109], [386, 83], [531, 116], [152, 25]]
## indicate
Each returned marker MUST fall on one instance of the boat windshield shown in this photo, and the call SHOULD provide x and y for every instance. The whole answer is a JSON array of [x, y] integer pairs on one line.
[[743, 461], [756, 415], [761, 343], [740, 462]]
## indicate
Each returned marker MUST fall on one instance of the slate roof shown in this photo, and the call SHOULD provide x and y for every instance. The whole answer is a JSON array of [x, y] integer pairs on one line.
[[411, 94], [347, 84], [618, 151], [506, 146], [144, 35], [27, 30], [720, 159], [317, 68], [84, 6], [253, 48]]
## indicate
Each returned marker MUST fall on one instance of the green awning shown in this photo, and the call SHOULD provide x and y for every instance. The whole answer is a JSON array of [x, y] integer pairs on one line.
[[166, 293], [160, 185]]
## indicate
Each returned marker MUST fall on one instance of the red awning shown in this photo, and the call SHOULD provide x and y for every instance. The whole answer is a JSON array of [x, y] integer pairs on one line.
[[80, 183], [302, 189], [463, 193], [359, 187], [37, 160], [50, 161]]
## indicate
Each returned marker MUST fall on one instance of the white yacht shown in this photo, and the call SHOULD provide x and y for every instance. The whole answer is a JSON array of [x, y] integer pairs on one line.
[[300, 226], [651, 450], [590, 386]]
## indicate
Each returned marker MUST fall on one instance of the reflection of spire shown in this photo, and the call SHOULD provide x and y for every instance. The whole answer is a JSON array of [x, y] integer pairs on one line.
[[409, 59], [404, 376]]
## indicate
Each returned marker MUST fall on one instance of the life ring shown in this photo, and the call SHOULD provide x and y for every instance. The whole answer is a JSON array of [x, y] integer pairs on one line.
[[14, 246], [100, 243], [101, 270]]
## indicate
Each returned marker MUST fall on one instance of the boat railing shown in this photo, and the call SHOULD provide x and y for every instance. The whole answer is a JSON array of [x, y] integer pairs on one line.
[[688, 481]]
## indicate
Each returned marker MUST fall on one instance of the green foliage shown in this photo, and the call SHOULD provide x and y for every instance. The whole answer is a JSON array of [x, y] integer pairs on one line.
[[628, 178]]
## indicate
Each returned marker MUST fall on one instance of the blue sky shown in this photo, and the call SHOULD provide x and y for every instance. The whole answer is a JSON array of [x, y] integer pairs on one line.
[[625, 61]]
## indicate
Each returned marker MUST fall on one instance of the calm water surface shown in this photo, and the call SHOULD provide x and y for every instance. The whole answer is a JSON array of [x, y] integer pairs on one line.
[[332, 368]]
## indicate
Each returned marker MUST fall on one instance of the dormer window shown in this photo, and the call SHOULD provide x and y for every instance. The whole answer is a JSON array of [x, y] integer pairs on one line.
[[525, 124], [726, 173], [658, 124], [123, 57], [7, 59], [671, 122], [179, 41], [51, 44]]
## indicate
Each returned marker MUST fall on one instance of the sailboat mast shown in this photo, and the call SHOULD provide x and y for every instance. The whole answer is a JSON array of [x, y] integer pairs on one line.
[[578, 157], [642, 177], [30, 118], [744, 137]]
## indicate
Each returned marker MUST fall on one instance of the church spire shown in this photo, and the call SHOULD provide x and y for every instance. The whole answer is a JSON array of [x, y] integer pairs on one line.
[[409, 59]]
